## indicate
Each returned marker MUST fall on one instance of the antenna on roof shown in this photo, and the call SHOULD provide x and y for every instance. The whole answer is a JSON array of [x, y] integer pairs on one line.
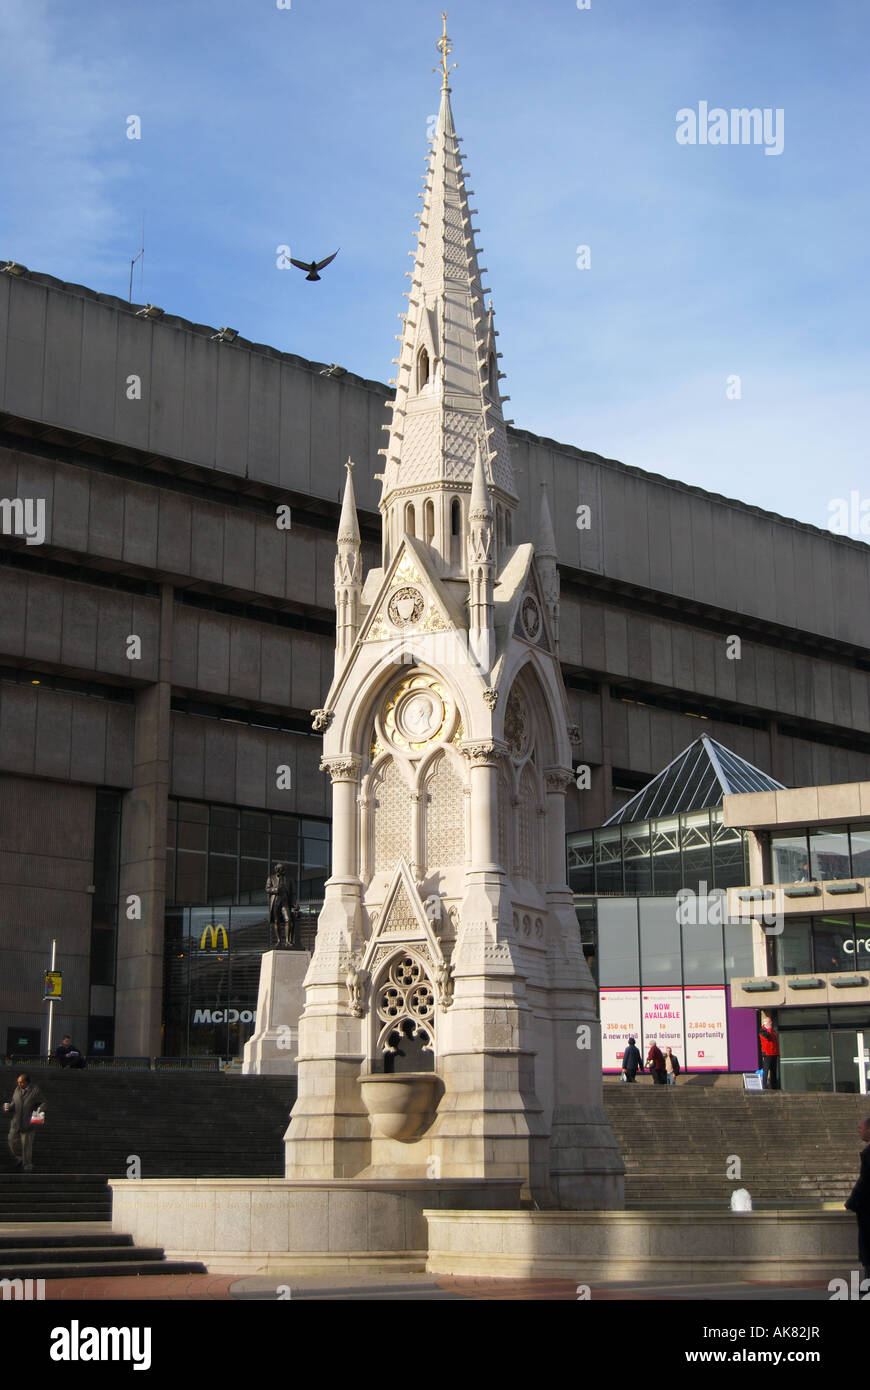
[[134, 260]]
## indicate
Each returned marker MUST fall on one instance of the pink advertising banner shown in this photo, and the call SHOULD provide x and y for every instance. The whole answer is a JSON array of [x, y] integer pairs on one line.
[[663, 1020], [706, 1033], [620, 1019]]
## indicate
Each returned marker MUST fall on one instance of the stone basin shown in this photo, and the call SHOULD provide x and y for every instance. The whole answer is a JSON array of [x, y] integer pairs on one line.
[[401, 1104]]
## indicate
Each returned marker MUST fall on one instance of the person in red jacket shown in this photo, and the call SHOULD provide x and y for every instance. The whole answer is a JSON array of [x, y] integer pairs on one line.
[[769, 1054], [656, 1063]]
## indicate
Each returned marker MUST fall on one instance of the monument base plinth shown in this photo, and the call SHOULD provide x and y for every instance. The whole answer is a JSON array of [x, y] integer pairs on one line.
[[274, 1048]]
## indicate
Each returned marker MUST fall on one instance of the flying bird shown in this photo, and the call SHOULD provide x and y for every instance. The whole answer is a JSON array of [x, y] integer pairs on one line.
[[313, 266]]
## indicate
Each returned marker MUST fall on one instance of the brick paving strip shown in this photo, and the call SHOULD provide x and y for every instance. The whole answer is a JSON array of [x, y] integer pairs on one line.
[[142, 1288], [210, 1287]]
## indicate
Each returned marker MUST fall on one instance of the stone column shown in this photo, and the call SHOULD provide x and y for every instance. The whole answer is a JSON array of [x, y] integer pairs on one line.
[[329, 1134], [483, 761], [585, 1165], [345, 779], [139, 980]]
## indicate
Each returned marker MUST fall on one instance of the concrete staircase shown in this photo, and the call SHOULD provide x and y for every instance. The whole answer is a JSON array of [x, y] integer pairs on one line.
[[678, 1142], [82, 1254], [179, 1124]]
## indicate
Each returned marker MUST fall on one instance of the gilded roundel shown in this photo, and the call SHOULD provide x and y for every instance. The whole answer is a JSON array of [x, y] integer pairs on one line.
[[531, 617], [405, 607], [417, 713]]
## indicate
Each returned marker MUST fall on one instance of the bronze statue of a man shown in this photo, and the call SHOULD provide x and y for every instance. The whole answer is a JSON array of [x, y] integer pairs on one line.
[[282, 915]]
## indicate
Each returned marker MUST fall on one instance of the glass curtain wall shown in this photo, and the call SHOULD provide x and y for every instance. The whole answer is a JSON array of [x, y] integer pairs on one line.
[[659, 857], [217, 920]]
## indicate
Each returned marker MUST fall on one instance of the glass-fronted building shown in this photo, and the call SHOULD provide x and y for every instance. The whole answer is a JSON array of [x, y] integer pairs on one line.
[[217, 918], [809, 890], [650, 889]]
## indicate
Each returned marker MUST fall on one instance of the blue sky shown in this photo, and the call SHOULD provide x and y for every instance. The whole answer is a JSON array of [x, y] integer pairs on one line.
[[307, 126]]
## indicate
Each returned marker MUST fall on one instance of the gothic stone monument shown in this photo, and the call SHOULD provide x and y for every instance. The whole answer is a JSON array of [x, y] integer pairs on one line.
[[449, 1028]]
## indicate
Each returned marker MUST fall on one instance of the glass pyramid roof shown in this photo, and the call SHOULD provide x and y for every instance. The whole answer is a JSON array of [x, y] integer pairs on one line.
[[699, 777]]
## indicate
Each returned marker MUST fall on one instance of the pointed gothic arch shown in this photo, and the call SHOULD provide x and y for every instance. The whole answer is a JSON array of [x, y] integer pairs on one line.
[[424, 368]]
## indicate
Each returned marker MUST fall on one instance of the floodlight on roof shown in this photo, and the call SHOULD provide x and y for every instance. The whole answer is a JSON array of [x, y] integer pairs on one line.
[[13, 268], [150, 311], [225, 335]]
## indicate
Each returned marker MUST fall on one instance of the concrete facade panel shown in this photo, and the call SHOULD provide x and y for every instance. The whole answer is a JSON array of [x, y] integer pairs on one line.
[[301, 556], [233, 396], [326, 394], [44, 620], [13, 612], [174, 523], [199, 437], [219, 779], [135, 355], [17, 728], [53, 735], [89, 718], [98, 387], [71, 502], [295, 436], [37, 481], [264, 417], [187, 753], [276, 664], [661, 653], [245, 661], [681, 557], [207, 544], [106, 516], [213, 654], [81, 614], [166, 395], [639, 647], [25, 349], [305, 685], [120, 729], [141, 510], [270, 557], [184, 642], [63, 356], [616, 642], [239, 547]]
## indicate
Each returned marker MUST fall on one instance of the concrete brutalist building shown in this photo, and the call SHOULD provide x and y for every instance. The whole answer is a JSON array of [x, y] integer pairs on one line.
[[145, 786]]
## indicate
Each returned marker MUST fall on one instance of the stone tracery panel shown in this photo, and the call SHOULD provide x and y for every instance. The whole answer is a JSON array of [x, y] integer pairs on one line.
[[391, 812], [445, 816]]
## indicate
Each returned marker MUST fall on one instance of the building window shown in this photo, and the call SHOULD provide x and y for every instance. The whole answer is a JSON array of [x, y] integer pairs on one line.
[[829, 853], [409, 519], [428, 521]]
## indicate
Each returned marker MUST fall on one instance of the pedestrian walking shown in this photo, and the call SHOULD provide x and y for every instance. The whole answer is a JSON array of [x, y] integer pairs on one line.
[[631, 1061], [769, 1054], [656, 1063], [672, 1067], [858, 1200], [27, 1101]]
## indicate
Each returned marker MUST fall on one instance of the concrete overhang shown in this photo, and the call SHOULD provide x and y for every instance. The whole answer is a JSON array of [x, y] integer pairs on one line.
[[784, 991], [798, 806]]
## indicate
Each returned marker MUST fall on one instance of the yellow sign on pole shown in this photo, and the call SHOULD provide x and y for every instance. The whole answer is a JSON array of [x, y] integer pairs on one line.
[[53, 984]]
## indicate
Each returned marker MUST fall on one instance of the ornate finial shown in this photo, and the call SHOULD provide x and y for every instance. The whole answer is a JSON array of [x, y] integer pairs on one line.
[[350, 463], [445, 48]]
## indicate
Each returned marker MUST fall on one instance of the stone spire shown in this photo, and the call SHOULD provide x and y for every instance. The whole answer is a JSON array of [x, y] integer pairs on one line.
[[481, 566], [545, 556], [447, 396], [348, 573]]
